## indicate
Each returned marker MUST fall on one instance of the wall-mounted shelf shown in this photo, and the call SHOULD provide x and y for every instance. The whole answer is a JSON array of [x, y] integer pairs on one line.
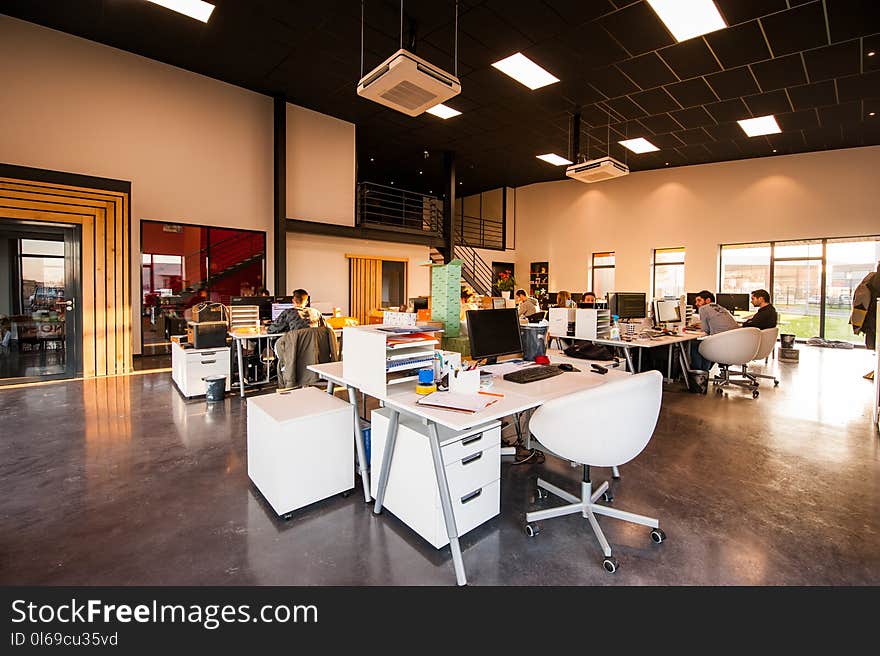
[[539, 278]]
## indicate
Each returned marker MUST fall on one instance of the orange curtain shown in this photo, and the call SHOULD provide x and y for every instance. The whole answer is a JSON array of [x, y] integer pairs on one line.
[[365, 286]]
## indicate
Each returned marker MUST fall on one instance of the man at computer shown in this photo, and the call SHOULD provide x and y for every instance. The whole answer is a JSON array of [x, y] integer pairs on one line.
[[588, 297], [766, 316], [299, 316], [713, 319], [525, 305]]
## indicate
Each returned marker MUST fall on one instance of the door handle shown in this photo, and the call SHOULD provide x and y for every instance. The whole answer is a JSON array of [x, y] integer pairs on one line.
[[69, 305]]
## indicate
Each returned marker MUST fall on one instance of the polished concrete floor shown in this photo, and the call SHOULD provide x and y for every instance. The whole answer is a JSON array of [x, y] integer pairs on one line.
[[121, 481]]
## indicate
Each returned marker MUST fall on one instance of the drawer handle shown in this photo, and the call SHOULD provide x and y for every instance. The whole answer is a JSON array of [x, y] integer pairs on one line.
[[472, 439], [473, 458], [208, 361], [207, 353], [470, 497]]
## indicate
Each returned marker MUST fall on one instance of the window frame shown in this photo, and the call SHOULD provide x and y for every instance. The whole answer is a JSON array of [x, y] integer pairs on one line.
[[655, 264], [591, 278]]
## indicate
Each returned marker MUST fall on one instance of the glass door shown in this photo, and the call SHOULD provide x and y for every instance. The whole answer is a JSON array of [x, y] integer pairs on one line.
[[797, 287], [39, 302], [848, 261]]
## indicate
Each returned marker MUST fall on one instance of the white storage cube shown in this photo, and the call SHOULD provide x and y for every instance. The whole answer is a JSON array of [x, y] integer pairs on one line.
[[190, 366], [472, 460], [300, 447]]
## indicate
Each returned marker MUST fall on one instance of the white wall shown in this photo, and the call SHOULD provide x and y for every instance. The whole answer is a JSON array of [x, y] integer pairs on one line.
[[318, 264], [321, 167], [195, 150], [823, 194]]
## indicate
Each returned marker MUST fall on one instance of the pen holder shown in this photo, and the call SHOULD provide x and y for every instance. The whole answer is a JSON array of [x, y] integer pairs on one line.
[[464, 382]]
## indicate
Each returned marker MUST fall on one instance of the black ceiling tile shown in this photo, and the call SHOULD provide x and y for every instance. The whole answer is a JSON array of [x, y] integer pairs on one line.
[[871, 44], [664, 141], [726, 149], [690, 58], [594, 116], [611, 82], [734, 83], [637, 28], [695, 136], [626, 107], [655, 101], [601, 134], [739, 45], [780, 72], [802, 120], [740, 11], [695, 117], [822, 138], [660, 123], [774, 102], [579, 92], [728, 110], [695, 153], [648, 71], [692, 93], [833, 61], [796, 29], [754, 146], [575, 12], [499, 37], [787, 141], [850, 112], [849, 19], [813, 95], [869, 106], [856, 87], [725, 131], [595, 45], [534, 19]]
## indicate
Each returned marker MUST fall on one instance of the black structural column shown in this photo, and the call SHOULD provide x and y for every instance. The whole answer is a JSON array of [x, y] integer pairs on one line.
[[280, 185], [449, 204], [574, 136]]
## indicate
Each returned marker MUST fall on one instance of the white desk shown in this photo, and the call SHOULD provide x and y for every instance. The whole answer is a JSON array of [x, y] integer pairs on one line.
[[402, 398], [238, 338], [643, 342]]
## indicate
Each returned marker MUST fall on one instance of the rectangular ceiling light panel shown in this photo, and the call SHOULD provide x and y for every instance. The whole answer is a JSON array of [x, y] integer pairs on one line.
[[525, 71], [755, 127], [192, 8], [688, 18], [443, 111], [639, 145], [554, 159]]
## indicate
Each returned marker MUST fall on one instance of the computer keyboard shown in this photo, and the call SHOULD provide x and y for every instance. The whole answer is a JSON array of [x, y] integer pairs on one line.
[[531, 374]]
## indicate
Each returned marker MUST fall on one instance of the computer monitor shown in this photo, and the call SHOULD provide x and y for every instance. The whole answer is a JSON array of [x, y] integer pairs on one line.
[[493, 333], [628, 305], [278, 308], [587, 306], [733, 302], [499, 303], [666, 311], [691, 299], [419, 303], [551, 298]]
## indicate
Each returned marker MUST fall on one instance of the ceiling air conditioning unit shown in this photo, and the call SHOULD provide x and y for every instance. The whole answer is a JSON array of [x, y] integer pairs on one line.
[[596, 170], [408, 84]]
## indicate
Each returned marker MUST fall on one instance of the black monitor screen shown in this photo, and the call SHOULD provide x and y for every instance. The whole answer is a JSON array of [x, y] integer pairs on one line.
[[733, 302], [493, 333], [691, 299], [420, 303], [629, 305]]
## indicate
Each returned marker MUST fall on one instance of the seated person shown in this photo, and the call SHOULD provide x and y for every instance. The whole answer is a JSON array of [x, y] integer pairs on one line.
[[299, 316], [766, 316], [588, 297], [525, 305], [468, 302], [563, 300], [713, 319]]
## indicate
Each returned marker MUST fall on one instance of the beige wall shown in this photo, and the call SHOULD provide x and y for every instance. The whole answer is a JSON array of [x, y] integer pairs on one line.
[[195, 150], [321, 167], [318, 264], [824, 194]]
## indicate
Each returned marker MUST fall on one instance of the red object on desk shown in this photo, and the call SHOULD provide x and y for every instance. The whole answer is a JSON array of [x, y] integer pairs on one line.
[[542, 359]]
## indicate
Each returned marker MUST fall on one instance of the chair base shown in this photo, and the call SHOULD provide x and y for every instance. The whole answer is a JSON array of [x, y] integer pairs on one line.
[[586, 505], [725, 378]]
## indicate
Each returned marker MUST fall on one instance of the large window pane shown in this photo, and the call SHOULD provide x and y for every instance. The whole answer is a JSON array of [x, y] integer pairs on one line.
[[848, 262], [668, 280], [745, 268], [603, 281], [42, 247], [796, 295], [669, 256], [804, 248]]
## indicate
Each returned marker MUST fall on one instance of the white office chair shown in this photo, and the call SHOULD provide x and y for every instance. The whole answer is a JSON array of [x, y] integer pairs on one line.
[[768, 342], [623, 415], [733, 347]]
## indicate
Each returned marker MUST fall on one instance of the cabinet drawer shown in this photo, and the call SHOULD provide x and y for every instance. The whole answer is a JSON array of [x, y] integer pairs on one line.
[[219, 354], [473, 471], [477, 506], [470, 445]]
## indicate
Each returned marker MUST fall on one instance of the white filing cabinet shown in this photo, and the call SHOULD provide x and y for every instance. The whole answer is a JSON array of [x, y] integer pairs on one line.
[[300, 447], [189, 366], [473, 469]]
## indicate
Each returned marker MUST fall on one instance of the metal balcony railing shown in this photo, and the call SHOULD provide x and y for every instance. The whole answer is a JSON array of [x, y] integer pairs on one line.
[[397, 209]]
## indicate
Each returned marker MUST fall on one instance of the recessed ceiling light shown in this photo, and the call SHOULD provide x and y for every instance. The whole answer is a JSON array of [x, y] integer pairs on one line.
[[774, 150], [392, 182], [192, 8], [639, 145], [372, 160], [871, 53], [525, 71], [872, 113], [420, 172], [667, 163], [554, 159], [688, 18], [755, 127], [443, 111]]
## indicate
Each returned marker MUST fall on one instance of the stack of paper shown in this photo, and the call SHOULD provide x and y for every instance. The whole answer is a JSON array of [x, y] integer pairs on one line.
[[460, 402]]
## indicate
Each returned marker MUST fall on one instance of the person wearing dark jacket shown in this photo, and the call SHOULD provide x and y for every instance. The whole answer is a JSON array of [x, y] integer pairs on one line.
[[766, 316]]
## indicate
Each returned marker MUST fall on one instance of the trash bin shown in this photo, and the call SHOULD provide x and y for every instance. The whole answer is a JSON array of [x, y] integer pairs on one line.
[[787, 340], [534, 341], [216, 390]]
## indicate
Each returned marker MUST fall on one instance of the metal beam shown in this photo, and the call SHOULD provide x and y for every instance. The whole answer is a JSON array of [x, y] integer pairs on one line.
[[280, 192], [449, 205], [376, 234]]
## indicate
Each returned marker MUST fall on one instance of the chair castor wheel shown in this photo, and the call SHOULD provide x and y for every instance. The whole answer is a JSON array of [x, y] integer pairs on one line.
[[610, 564], [532, 529], [718, 390], [755, 394], [346, 493], [608, 496], [541, 493], [657, 535], [775, 383]]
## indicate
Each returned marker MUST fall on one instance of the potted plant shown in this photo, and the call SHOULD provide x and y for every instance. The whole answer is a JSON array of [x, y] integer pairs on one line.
[[505, 283]]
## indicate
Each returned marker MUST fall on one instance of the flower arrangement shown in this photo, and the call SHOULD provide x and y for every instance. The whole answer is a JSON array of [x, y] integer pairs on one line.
[[505, 282]]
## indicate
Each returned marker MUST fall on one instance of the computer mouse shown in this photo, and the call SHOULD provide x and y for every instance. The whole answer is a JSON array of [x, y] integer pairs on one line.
[[565, 366]]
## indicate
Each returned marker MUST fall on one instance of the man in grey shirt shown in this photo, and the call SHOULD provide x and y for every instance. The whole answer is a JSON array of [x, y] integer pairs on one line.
[[713, 319], [525, 305]]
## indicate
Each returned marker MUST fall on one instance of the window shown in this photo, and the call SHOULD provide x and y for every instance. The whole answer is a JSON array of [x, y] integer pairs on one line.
[[792, 271], [602, 270], [393, 283], [668, 272]]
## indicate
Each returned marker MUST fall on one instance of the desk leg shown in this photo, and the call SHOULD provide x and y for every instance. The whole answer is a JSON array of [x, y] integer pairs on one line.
[[446, 503], [330, 388], [387, 454], [363, 465], [240, 366], [629, 360], [268, 362], [669, 365], [640, 361], [685, 363]]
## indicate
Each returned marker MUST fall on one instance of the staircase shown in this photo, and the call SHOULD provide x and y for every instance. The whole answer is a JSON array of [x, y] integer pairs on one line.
[[474, 269], [229, 256]]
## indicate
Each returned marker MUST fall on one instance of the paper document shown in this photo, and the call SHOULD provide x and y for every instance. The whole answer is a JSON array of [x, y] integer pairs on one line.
[[460, 402], [506, 367]]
